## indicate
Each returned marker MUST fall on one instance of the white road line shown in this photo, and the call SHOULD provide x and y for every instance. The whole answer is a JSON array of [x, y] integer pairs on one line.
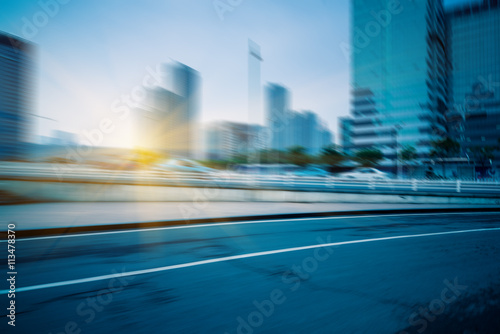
[[234, 257], [242, 223]]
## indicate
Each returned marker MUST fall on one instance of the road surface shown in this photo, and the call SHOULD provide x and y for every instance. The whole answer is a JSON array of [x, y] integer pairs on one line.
[[430, 273]]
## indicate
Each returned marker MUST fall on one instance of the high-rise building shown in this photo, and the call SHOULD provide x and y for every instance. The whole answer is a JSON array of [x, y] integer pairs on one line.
[[344, 128], [290, 128], [474, 49], [306, 129], [278, 105], [225, 140], [63, 138], [16, 95], [399, 66], [168, 118], [254, 85]]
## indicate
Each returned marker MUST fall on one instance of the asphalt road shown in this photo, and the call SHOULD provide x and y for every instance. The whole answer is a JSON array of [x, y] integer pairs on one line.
[[432, 273]]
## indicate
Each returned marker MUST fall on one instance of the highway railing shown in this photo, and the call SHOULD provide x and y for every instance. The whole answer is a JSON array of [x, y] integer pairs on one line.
[[226, 179]]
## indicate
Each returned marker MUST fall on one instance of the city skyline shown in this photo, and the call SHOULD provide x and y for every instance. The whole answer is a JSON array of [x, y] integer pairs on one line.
[[85, 67]]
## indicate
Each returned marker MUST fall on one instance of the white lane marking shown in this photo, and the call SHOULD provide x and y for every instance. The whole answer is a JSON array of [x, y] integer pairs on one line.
[[234, 257], [243, 223]]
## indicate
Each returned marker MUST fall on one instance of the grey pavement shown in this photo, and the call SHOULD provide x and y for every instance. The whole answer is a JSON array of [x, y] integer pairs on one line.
[[57, 215]]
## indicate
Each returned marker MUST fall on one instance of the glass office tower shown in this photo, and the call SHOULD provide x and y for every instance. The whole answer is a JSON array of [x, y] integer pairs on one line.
[[167, 120], [399, 65], [474, 44], [16, 95], [278, 106]]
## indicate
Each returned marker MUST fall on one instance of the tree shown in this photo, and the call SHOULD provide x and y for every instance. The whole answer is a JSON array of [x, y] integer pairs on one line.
[[444, 148], [272, 156], [239, 158], [331, 155], [369, 156], [482, 154], [407, 155], [297, 155]]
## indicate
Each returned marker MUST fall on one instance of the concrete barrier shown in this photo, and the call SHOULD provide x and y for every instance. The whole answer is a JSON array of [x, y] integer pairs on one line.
[[94, 192]]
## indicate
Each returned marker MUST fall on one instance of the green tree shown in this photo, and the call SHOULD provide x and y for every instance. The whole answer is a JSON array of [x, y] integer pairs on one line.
[[444, 148], [272, 156], [331, 155], [298, 155], [483, 154], [369, 157], [239, 158], [408, 154]]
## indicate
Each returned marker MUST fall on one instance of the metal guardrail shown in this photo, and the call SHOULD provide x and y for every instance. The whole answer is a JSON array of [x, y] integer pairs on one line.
[[76, 173]]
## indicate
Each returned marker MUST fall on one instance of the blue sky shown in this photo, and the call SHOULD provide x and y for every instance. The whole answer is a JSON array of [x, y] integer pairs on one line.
[[91, 52]]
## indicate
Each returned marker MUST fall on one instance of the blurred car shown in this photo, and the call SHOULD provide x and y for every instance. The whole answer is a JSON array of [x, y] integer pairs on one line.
[[366, 174], [311, 171], [184, 166]]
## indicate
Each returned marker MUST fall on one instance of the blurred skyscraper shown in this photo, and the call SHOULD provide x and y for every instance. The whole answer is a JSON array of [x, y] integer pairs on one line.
[[16, 95], [277, 104], [62, 138], [225, 140], [345, 130], [290, 128], [474, 44], [254, 86], [399, 66], [306, 129], [254, 93], [168, 118]]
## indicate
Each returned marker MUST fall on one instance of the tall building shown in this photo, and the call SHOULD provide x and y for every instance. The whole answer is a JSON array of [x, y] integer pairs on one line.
[[474, 44], [254, 85], [225, 140], [306, 129], [277, 105], [16, 95], [399, 63], [167, 121], [290, 128], [63, 138], [344, 128]]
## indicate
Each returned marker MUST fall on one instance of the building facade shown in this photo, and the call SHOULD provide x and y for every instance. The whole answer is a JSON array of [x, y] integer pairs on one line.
[[289, 128], [474, 49], [167, 120], [16, 95], [399, 91], [277, 108], [226, 140]]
